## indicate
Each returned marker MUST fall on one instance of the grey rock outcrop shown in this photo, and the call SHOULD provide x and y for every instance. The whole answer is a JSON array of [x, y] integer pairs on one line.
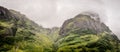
[[6, 28], [83, 22]]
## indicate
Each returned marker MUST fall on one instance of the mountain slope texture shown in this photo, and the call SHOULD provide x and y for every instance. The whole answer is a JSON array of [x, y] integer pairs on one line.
[[83, 33]]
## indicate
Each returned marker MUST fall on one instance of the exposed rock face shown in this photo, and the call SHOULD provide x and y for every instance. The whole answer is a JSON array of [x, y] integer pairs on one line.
[[6, 28], [83, 22], [4, 13]]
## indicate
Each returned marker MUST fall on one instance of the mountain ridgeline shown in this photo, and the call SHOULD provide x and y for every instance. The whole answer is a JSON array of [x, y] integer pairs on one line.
[[83, 33]]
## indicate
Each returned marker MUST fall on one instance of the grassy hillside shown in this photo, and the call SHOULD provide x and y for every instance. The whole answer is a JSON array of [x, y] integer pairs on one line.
[[19, 34], [87, 43]]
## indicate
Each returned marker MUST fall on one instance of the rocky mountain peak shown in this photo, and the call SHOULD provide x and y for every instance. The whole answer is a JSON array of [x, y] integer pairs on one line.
[[84, 22]]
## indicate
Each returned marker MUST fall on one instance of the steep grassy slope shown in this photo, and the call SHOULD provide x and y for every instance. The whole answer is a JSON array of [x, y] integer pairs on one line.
[[31, 37], [19, 34], [87, 43]]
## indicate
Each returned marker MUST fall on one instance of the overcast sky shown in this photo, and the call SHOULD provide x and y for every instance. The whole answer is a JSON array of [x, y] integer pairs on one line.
[[50, 13]]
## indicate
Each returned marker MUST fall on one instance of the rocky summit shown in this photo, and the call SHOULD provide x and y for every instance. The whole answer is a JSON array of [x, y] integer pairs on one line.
[[84, 22]]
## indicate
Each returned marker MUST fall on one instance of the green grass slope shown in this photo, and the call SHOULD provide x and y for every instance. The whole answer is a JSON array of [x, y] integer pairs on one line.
[[87, 43]]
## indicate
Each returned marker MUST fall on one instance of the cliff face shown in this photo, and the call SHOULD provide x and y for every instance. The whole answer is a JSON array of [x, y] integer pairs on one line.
[[4, 13], [7, 26], [83, 22]]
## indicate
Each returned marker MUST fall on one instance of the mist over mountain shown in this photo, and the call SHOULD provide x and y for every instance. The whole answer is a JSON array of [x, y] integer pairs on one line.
[[83, 33]]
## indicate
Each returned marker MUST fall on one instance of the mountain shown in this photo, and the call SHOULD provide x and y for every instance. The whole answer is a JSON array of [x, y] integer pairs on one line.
[[84, 22], [18, 33], [86, 33], [83, 33]]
